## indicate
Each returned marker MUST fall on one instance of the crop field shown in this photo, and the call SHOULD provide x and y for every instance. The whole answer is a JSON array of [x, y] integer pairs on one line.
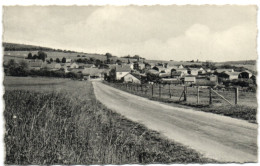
[[59, 121], [246, 108]]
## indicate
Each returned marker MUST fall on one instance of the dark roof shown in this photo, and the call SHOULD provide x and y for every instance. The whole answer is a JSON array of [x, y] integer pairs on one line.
[[178, 73], [171, 80], [152, 71], [123, 68], [224, 70]]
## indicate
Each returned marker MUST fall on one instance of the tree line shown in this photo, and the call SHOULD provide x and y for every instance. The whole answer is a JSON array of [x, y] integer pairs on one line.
[[21, 69]]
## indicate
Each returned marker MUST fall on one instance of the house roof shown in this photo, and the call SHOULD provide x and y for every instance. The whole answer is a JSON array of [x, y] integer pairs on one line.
[[129, 74], [189, 79], [152, 71], [233, 73], [224, 70], [53, 65], [123, 68], [196, 69], [176, 73], [64, 64], [162, 75], [181, 69], [246, 71], [74, 63]]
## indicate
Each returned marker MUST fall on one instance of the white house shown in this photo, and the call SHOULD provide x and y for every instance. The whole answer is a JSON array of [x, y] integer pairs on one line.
[[74, 65], [196, 71], [232, 75], [68, 60], [121, 71]]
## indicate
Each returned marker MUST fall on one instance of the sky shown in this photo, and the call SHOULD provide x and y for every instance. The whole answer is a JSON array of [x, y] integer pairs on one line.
[[189, 32]]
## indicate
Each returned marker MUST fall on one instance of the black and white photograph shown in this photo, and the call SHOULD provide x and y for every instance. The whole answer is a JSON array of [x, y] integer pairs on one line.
[[129, 84]]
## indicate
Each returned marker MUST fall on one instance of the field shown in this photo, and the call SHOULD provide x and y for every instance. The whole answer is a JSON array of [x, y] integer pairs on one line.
[[51, 54], [246, 108], [59, 121]]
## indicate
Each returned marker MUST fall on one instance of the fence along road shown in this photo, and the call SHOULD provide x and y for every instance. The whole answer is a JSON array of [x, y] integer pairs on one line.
[[218, 137]]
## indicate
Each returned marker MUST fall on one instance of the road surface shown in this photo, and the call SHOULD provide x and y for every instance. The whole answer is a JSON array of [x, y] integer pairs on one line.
[[218, 137]]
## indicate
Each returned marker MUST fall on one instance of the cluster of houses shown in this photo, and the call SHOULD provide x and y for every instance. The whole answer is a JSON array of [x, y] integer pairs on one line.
[[138, 72], [89, 71], [175, 74]]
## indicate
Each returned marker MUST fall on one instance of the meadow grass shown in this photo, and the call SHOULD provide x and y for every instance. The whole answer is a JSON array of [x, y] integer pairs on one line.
[[65, 124]]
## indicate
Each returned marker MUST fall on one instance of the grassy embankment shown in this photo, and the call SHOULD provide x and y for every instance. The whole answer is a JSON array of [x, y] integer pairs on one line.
[[246, 110], [60, 122]]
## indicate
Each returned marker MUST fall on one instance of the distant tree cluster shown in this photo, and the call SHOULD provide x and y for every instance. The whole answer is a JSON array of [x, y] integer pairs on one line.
[[40, 55], [133, 57], [22, 47]]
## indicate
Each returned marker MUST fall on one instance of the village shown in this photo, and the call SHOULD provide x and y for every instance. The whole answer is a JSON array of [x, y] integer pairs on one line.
[[139, 71]]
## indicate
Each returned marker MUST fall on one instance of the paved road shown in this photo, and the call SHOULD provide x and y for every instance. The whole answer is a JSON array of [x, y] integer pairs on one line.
[[218, 137]]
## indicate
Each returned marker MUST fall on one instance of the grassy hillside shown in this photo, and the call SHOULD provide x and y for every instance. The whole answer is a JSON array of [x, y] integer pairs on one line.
[[18, 51], [24, 47]]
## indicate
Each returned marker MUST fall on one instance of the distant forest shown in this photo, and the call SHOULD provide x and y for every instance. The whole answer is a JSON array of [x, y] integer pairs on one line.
[[23, 47]]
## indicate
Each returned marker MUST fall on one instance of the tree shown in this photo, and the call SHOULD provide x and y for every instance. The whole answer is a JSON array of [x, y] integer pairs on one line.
[[108, 55], [29, 56], [118, 61], [12, 63], [92, 60], [51, 60], [42, 55], [63, 60], [79, 60], [137, 57], [34, 56], [24, 65], [57, 60]]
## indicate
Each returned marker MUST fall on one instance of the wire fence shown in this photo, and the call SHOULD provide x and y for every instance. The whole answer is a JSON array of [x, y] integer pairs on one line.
[[192, 94]]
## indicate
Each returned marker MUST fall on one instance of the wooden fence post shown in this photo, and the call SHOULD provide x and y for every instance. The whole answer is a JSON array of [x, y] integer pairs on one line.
[[152, 90], [210, 96], [236, 95], [185, 93], [159, 90], [170, 91], [198, 95]]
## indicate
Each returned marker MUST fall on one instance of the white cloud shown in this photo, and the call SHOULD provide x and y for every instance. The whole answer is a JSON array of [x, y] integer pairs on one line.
[[154, 34]]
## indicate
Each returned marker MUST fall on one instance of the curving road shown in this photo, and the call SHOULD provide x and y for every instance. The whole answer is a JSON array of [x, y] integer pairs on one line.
[[218, 137]]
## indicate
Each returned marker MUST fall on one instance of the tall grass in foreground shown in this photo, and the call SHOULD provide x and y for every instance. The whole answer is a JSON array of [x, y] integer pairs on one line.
[[56, 128]]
